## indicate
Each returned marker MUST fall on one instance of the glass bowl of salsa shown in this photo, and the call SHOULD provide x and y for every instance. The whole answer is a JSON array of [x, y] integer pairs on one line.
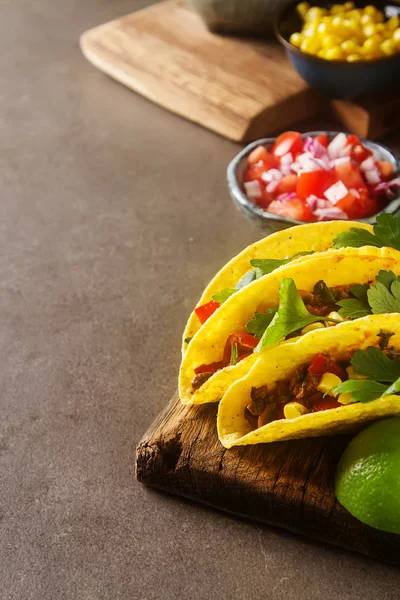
[[316, 176]]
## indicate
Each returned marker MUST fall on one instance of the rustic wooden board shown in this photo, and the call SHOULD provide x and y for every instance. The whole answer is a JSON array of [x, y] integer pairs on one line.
[[240, 88], [287, 484]]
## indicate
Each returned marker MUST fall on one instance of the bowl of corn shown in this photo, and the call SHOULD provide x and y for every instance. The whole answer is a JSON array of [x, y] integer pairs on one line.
[[344, 50]]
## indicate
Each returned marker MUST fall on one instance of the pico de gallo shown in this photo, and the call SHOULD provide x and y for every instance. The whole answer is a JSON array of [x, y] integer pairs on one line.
[[317, 179]]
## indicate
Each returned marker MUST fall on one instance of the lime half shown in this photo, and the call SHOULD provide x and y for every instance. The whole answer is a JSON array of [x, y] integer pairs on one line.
[[368, 476]]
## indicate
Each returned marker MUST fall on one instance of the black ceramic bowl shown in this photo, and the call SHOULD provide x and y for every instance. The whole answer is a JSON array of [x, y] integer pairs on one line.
[[339, 79], [271, 222]]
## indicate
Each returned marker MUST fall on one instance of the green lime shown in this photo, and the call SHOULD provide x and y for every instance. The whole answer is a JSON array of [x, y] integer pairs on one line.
[[368, 476]]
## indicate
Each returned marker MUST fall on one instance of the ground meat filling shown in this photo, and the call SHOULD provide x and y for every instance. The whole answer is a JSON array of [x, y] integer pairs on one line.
[[301, 387], [200, 379]]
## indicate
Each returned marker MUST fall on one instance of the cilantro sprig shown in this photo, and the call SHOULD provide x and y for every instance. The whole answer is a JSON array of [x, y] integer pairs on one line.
[[262, 266], [383, 297], [382, 372], [290, 316], [260, 321], [386, 233]]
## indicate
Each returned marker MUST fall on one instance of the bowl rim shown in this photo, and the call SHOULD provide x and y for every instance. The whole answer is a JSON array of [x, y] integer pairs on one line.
[[241, 199], [358, 64]]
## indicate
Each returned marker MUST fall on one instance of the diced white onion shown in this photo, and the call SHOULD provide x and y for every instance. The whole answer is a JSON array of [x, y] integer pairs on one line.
[[368, 164], [271, 187], [336, 145], [296, 167], [354, 193], [339, 161], [271, 175], [372, 176], [325, 214], [308, 162], [253, 189], [346, 151], [336, 192], [287, 159]]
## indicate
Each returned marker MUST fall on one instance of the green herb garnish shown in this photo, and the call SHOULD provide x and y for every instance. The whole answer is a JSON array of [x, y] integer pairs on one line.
[[234, 354], [260, 321], [386, 233], [223, 295]]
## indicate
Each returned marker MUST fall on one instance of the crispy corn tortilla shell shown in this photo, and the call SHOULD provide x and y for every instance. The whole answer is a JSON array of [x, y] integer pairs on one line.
[[282, 362], [335, 267], [314, 237]]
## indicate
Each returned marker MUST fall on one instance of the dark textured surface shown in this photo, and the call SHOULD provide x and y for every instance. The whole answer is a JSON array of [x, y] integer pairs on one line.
[[107, 233]]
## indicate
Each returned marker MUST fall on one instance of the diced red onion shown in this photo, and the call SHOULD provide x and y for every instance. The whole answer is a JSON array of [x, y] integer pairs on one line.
[[368, 164], [296, 167], [323, 163], [287, 159], [271, 175], [312, 201], [336, 145], [388, 190], [346, 151], [339, 161], [271, 187], [336, 192], [372, 176], [327, 214], [315, 147], [253, 189], [285, 170], [308, 162], [323, 203], [285, 197]]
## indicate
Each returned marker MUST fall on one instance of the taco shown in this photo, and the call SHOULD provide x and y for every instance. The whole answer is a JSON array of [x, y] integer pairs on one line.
[[326, 382], [262, 258], [323, 290]]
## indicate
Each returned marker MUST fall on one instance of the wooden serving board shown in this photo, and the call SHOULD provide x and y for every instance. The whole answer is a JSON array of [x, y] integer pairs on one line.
[[240, 88], [286, 484]]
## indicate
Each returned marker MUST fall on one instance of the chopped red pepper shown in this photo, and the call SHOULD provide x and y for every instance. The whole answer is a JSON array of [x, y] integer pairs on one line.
[[244, 342], [205, 311], [323, 364], [211, 368], [322, 139]]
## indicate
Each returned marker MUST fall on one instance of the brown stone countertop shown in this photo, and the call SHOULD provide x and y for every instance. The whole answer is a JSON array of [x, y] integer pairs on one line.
[[113, 215]]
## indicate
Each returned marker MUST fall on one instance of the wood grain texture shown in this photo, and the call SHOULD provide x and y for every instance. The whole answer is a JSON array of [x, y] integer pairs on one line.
[[238, 88], [288, 485]]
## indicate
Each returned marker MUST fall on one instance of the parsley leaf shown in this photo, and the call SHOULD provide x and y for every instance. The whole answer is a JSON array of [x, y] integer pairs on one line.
[[393, 389], [374, 363], [383, 300], [361, 390], [386, 278], [387, 230], [267, 265], [260, 321], [246, 279], [386, 233], [291, 315], [223, 295], [354, 308], [356, 238]]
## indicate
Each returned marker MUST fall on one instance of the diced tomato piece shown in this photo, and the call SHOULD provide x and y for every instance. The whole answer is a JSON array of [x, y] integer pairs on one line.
[[322, 139], [325, 404], [295, 208], [315, 182], [244, 341], [359, 208], [261, 153], [358, 152], [211, 368], [385, 168], [287, 184], [353, 140], [265, 199], [291, 141], [205, 311], [323, 364], [255, 170], [350, 175]]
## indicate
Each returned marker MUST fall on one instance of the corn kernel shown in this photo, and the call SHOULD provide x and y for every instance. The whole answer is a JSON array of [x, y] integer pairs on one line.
[[352, 373], [321, 54], [366, 19], [296, 39], [335, 315], [349, 46], [315, 12], [312, 326], [369, 30], [370, 10], [292, 410], [335, 53], [393, 23], [353, 58], [344, 398], [379, 17], [396, 37], [327, 382], [302, 8], [310, 46], [355, 14], [338, 9], [372, 44], [349, 5], [388, 47], [330, 41]]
